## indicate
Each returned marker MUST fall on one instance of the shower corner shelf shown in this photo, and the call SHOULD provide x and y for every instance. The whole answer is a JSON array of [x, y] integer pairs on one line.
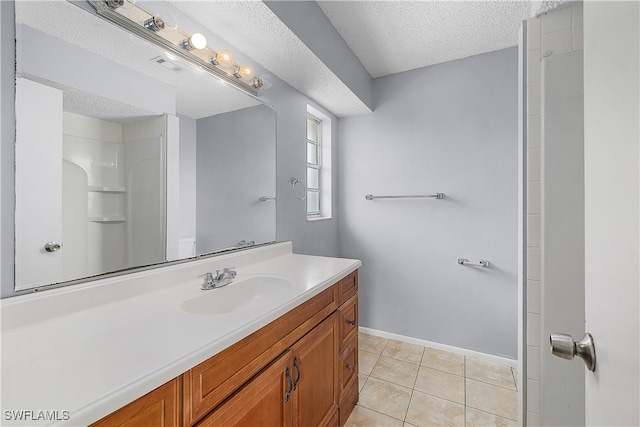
[[100, 189], [109, 218]]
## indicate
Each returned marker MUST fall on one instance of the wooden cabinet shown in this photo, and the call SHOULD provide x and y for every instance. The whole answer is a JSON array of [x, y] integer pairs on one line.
[[347, 287], [315, 386], [299, 370], [212, 381], [348, 354], [264, 401], [348, 371], [160, 408], [299, 389], [348, 367], [348, 321]]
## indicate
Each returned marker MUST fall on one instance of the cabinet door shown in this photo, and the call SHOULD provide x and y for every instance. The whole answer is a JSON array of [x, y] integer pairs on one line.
[[315, 375], [348, 379], [348, 321], [347, 287], [264, 401], [161, 408]]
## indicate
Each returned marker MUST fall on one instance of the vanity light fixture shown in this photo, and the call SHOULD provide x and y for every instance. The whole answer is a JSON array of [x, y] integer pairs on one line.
[[196, 41], [245, 72], [155, 24], [224, 58], [114, 4], [179, 45]]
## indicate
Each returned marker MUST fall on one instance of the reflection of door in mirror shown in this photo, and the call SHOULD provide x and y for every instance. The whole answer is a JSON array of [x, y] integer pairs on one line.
[[94, 186]]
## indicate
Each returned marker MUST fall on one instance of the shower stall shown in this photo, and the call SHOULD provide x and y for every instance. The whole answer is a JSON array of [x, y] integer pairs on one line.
[[99, 185]]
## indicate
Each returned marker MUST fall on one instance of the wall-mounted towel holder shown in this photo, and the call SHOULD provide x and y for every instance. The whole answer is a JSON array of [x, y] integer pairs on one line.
[[411, 196], [295, 181], [482, 263]]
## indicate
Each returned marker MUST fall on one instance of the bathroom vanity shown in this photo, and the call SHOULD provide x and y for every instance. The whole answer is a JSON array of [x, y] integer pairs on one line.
[[133, 218], [278, 346]]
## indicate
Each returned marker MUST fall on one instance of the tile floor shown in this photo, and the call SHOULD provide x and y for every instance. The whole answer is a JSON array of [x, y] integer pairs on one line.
[[407, 385]]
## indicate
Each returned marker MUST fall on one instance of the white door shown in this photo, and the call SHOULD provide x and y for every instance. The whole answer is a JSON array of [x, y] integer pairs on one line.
[[612, 210], [38, 183]]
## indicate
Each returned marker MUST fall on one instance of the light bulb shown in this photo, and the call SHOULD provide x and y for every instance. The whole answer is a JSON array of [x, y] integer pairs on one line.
[[168, 17], [196, 41], [264, 81], [245, 72], [223, 58]]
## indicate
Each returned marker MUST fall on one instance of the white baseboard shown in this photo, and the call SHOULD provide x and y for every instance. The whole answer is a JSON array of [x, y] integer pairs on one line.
[[444, 347]]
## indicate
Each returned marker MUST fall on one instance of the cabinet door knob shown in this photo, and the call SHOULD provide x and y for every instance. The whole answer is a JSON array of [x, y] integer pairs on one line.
[[351, 367], [351, 322]]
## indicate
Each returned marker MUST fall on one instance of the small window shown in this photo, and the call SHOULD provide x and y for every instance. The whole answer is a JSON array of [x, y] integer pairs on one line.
[[318, 156], [314, 165]]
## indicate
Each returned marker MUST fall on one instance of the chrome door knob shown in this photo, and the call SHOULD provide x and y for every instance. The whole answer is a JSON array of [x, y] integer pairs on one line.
[[52, 246], [562, 345]]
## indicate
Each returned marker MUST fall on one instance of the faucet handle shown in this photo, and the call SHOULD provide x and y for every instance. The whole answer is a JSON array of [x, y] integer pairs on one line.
[[208, 277], [231, 271]]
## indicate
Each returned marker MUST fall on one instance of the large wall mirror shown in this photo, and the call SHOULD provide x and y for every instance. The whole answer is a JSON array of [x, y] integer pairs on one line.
[[125, 155]]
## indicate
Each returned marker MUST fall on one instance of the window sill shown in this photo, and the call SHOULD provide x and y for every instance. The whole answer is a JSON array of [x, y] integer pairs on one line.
[[317, 218]]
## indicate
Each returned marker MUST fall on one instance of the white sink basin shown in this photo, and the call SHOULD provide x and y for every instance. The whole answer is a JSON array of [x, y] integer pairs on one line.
[[243, 294]]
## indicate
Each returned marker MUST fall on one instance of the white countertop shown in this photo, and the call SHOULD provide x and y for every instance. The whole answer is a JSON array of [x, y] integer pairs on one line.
[[90, 349]]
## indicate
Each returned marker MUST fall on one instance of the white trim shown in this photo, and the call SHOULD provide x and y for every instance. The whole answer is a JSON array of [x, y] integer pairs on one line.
[[317, 218], [522, 217], [444, 347]]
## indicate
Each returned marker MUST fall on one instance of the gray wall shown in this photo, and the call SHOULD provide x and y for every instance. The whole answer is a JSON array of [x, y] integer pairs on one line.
[[449, 128], [235, 166], [308, 237]]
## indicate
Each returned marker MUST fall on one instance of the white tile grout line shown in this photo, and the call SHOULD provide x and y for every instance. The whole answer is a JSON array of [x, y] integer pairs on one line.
[[439, 370], [414, 386], [464, 375], [465, 406], [377, 412], [464, 371]]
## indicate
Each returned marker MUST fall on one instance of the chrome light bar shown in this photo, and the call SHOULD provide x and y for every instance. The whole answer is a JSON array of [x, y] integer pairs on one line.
[[108, 9]]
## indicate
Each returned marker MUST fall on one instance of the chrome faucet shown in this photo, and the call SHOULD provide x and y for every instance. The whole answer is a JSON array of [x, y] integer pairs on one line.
[[219, 280]]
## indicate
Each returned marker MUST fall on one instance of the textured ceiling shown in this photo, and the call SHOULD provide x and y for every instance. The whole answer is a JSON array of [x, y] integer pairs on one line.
[[92, 105], [255, 30], [387, 37], [394, 36]]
